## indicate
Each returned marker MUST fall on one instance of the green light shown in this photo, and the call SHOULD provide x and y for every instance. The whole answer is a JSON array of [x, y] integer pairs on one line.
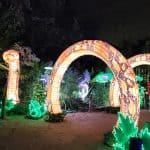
[[139, 78], [145, 136], [36, 110], [103, 77], [123, 132], [9, 104]]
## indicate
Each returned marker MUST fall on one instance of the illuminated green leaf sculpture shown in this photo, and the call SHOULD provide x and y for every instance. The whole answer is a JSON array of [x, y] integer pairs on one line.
[[123, 132], [36, 110], [145, 136]]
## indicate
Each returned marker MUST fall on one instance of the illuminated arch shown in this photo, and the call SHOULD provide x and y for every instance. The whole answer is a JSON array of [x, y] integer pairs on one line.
[[11, 57], [122, 71], [141, 59]]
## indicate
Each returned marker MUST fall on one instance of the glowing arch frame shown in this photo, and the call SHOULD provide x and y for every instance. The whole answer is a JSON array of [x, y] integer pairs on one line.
[[141, 59], [129, 98], [11, 57]]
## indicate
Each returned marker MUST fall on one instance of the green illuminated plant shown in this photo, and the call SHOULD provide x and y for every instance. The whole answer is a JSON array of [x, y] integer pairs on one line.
[[123, 132], [36, 110], [145, 136]]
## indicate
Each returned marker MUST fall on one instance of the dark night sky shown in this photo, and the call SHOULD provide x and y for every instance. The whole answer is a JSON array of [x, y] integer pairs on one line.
[[49, 24], [111, 21], [115, 16]]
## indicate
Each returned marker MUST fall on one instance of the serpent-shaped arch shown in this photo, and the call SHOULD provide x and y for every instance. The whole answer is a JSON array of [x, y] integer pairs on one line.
[[122, 71], [11, 57], [137, 60]]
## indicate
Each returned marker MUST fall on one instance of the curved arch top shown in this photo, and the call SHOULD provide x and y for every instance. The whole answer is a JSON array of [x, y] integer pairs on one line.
[[137, 60], [113, 58]]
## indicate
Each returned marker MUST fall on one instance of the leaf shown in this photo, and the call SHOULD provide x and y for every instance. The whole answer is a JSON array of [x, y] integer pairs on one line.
[[145, 136], [127, 125], [125, 130], [119, 135]]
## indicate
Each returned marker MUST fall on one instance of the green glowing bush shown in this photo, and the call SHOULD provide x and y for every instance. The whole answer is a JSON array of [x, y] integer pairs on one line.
[[36, 110], [123, 132], [19, 109]]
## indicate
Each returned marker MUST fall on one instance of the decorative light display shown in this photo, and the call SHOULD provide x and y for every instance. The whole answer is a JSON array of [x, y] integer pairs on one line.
[[9, 104], [126, 129], [114, 93], [103, 77], [36, 110], [122, 71], [48, 68], [84, 85], [11, 57], [123, 132], [139, 78], [141, 59], [145, 136]]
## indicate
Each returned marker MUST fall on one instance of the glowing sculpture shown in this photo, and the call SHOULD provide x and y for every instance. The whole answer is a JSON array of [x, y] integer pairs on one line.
[[145, 136], [36, 110], [12, 58], [141, 59], [84, 85], [139, 78], [122, 71], [124, 131], [103, 77]]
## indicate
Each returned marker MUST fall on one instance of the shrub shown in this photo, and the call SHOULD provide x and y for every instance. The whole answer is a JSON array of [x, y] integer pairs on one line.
[[18, 109], [35, 110]]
